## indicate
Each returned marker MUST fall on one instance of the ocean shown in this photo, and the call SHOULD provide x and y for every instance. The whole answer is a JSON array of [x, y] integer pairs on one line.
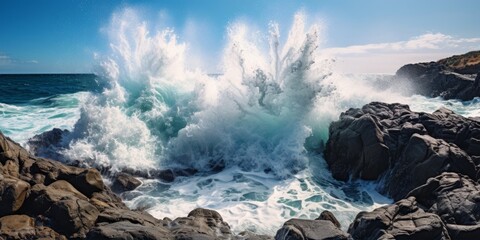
[[254, 134]]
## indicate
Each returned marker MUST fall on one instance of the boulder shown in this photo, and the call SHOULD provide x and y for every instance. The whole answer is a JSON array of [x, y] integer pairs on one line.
[[327, 215], [422, 158], [126, 230], [296, 229], [48, 144], [67, 187], [88, 181], [63, 208], [15, 227], [401, 220], [119, 215], [124, 182], [13, 192], [201, 224], [456, 199], [401, 148], [72, 217], [106, 199]]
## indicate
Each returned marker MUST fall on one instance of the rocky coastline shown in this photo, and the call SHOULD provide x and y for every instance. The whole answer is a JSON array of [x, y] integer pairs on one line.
[[428, 163], [454, 77]]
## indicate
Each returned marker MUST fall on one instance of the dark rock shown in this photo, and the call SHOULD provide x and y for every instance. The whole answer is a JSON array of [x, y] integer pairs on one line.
[[15, 227], [166, 175], [201, 224], [402, 148], [456, 199], [124, 182], [434, 79], [50, 170], [126, 230], [88, 182], [12, 194], [65, 209], [402, 220], [107, 199], [247, 235], [327, 215], [72, 217], [48, 143], [295, 229], [120, 215], [426, 157]]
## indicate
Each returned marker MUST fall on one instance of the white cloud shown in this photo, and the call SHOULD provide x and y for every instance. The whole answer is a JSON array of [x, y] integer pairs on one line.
[[388, 57], [6, 60]]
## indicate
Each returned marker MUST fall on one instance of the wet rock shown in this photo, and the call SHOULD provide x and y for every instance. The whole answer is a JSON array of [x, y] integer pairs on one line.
[[107, 199], [456, 199], [23, 227], [63, 208], [48, 143], [201, 224], [167, 175], [126, 230], [389, 142], [125, 182], [247, 235], [88, 182], [426, 157], [50, 169], [402, 220], [72, 217], [12, 194], [327, 215], [295, 229], [120, 215]]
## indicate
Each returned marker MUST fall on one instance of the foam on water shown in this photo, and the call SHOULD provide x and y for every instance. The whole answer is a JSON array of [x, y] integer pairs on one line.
[[21, 122], [257, 201]]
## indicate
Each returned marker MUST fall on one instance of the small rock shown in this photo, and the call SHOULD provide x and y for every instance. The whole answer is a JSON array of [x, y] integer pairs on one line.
[[125, 182], [296, 229], [88, 182], [327, 215]]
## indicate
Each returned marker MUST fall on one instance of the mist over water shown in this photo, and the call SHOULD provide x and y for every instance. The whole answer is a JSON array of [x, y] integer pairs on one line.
[[263, 121]]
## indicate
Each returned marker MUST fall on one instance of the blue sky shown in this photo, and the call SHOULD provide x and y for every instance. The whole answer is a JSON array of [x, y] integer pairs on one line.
[[64, 35]]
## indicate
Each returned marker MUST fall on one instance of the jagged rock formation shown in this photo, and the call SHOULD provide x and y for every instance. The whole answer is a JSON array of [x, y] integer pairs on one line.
[[401, 147], [455, 77]]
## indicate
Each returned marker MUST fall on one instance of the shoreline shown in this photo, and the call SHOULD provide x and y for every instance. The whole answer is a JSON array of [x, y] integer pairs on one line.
[[45, 198]]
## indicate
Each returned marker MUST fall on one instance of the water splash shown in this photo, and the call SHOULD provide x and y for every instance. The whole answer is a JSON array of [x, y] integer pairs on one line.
[[157, 112]]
